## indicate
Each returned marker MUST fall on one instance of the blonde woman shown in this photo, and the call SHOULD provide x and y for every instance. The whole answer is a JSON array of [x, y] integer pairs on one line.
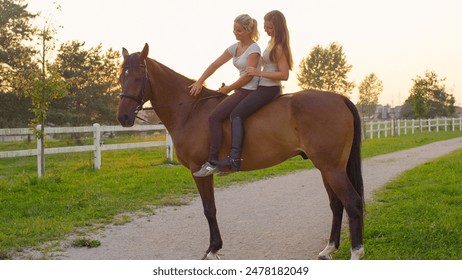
[[245, 53]]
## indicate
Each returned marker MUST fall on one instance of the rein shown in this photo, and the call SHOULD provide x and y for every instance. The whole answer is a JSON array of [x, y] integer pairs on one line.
[[141, 108], [177, 104]]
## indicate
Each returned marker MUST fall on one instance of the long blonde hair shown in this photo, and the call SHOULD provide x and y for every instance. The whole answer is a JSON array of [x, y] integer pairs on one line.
[[281, 36], [249, 24]]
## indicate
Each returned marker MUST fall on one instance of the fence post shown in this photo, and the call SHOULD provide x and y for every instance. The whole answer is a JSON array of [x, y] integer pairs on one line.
[[371, 133], [97, 146], [169, 144], [392, 127], [40, 171], [386, 129], [445, 123], [453, 124]]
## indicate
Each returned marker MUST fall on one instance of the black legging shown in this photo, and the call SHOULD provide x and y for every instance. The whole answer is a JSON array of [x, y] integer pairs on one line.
[[241, 104], [254, 101]]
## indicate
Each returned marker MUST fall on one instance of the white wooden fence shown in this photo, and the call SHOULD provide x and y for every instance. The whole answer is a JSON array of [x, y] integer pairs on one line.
[[370, 129], [384, 128], [97, 146]]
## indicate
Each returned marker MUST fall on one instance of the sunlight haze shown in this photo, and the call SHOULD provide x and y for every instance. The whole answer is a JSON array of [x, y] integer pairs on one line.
[[396, 40]]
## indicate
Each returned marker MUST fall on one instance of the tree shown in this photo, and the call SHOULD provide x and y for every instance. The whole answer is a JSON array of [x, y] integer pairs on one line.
[[428, 97], [14, 110], [103, 89], [92, 77], [71, 64], [43, 86], [90, 74], [15, 31], [326, 69], [369, 90]]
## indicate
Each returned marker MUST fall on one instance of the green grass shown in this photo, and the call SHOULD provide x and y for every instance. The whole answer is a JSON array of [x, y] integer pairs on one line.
[[85, 242], [417, 216], [72, 195]]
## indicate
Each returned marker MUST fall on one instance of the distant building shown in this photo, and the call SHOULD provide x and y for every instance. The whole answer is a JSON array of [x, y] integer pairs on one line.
[[384, 112], [458, 111]]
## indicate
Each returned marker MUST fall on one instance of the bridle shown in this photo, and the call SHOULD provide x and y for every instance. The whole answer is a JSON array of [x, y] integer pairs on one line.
[[138, 99]]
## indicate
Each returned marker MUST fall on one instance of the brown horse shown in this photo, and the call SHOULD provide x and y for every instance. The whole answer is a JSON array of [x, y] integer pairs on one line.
[[321, 125]]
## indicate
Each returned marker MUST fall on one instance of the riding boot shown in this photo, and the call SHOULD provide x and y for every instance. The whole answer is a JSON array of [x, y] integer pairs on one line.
[[233, 160]]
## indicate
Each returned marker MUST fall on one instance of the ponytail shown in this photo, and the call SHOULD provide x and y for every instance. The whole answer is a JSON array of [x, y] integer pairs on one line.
[[249, 24]]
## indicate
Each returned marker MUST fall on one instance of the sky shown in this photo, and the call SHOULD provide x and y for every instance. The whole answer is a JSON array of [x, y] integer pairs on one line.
[[397, 40]]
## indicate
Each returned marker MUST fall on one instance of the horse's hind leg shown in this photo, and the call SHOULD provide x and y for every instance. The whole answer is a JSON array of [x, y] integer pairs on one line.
[[352, 202], [337, 214], [205, 187]]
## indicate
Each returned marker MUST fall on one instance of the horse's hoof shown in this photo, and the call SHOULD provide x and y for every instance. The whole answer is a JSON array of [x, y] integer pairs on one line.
[[326, 254], [324, 258], [211, 256], [358, 253]]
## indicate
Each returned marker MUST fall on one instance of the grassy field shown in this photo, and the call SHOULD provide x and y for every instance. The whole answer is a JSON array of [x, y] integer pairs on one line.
[[417, 216], [73, 195]]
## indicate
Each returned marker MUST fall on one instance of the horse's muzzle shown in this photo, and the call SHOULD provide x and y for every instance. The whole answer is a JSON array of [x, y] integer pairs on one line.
[[126, 120]]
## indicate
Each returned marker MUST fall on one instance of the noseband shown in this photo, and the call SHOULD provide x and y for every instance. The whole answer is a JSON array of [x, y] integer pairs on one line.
[[139, 98]]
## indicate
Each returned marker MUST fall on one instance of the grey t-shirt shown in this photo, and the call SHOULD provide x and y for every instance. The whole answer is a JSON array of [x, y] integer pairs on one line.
[[240, 62]]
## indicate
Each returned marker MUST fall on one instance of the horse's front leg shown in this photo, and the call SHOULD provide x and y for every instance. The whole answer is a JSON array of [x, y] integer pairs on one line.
[[205, 187]]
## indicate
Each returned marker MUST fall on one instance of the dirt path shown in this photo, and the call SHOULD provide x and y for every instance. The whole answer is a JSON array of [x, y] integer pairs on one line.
[[286, 217]]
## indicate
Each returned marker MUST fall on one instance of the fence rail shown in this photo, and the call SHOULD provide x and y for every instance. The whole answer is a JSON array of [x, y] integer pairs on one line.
[[370, 129], [97, 146], [395, 127]]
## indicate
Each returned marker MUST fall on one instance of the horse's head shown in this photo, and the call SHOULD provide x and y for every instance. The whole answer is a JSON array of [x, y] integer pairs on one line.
[[133, 79]]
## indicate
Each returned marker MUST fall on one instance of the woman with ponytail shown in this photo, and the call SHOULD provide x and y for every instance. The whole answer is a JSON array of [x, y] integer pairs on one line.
[[277, 61], [245, 53]]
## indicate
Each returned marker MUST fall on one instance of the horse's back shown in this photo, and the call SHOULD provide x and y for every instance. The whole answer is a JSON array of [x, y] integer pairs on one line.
[[321, 107], [309, 121], [305, 107]]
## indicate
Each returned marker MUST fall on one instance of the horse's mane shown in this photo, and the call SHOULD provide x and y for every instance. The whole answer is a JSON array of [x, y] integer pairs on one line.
[[183, 83], [182, 80]]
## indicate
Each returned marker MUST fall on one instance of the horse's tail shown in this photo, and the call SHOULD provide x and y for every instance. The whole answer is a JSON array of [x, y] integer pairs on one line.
[[354, 161]]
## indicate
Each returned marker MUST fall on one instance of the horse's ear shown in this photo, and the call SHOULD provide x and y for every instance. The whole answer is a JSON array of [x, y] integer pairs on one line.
[[125, 53], [144, 52]]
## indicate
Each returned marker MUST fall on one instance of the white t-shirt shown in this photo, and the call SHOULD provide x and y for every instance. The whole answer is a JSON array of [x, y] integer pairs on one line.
[[240, 62], [269, 66]]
